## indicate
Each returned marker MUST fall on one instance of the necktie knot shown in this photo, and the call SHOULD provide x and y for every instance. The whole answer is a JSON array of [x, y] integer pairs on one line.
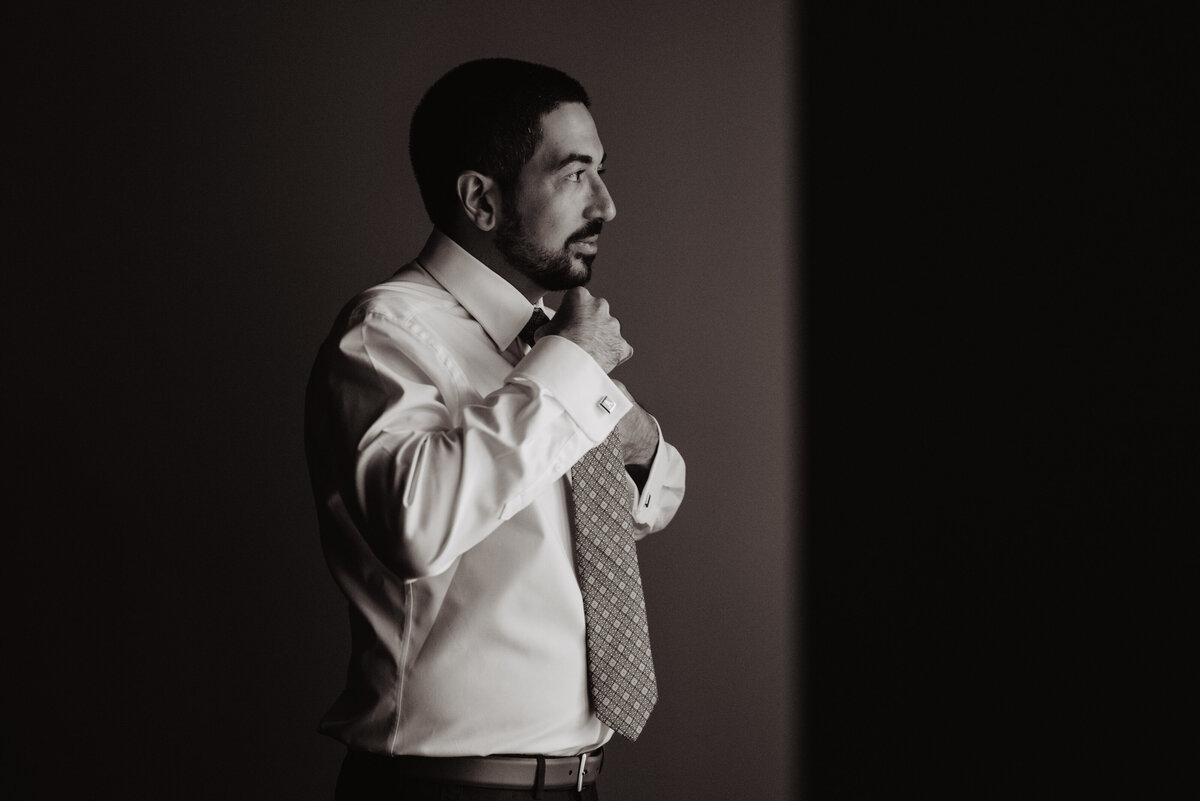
[[536, 321]]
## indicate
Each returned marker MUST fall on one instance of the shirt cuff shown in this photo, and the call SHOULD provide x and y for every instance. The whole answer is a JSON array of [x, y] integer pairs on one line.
[[646, 502], [566, 372]]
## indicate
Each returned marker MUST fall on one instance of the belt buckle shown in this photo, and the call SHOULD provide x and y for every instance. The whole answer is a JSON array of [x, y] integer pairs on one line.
[[582, 768]]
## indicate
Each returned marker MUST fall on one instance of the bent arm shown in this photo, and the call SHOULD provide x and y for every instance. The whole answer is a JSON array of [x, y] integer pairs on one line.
[[427, 470]]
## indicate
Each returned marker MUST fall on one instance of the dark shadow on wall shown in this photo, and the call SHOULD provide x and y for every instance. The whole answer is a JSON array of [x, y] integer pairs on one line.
[[1001, 220]]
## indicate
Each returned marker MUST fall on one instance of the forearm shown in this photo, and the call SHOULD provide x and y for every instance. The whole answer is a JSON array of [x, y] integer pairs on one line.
[[432, 477], [639, 438], [658, 496], [429, 496]]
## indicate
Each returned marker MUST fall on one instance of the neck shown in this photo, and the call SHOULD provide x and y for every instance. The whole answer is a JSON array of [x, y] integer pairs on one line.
[[481, 245]]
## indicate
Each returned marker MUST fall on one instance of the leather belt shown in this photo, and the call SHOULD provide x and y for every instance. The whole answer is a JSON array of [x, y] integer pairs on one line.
[[501, 772]]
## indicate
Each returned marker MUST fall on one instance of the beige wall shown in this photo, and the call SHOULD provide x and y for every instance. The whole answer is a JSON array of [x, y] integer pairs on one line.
[[217, 182], [694, 110]]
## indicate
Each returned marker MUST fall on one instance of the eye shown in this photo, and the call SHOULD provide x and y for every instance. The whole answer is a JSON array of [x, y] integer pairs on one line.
[[576, 176]]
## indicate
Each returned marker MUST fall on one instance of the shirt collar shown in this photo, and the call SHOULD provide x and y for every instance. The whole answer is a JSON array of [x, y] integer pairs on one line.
[[493, 302]]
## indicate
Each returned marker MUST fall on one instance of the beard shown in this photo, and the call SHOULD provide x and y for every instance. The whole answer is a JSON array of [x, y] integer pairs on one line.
[[552, 270]]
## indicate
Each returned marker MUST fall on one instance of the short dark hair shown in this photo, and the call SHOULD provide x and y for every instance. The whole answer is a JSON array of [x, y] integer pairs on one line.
[[484, 115]]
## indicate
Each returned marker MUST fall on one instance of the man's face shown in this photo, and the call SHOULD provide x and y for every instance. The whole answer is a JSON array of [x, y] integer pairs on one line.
[[550, 223]]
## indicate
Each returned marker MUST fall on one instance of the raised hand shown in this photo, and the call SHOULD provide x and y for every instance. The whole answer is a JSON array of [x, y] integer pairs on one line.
[[585, 320]]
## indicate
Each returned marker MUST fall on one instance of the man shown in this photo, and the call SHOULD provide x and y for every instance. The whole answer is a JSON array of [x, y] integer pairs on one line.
[[479, 477]]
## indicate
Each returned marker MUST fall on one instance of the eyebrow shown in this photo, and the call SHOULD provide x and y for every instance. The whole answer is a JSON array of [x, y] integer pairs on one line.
[[571, 158]]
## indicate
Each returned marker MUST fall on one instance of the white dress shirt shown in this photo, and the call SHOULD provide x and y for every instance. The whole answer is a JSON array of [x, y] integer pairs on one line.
[[439, 449]]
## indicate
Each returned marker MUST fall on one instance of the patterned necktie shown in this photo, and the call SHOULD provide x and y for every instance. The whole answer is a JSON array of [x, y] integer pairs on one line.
[[620, 670], [536, 321]]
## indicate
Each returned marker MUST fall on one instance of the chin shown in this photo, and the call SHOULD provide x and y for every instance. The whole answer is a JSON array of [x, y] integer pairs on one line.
[[582, 272], [567, 276]]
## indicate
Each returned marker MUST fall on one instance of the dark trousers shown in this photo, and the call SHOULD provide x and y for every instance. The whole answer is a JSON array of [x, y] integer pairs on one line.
[[365, 777]]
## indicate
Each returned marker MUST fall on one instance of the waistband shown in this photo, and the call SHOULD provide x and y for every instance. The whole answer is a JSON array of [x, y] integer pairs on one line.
[[504, 771]]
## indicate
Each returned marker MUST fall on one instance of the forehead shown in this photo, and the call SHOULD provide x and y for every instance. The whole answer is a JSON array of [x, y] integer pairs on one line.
[[567, 130]]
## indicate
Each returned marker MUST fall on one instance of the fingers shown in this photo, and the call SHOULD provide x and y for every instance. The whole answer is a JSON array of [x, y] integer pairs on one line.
[[586, 320], [578, 301], [626, 354]]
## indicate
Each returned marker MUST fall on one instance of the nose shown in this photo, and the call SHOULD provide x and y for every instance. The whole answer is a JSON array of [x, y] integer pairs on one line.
[[602, 206]]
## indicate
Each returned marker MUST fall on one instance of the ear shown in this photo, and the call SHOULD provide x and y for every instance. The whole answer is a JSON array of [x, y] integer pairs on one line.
[[479, 197]]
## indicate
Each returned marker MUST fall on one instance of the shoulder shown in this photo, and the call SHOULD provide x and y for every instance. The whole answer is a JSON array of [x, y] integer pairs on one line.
[[408, 295], [408, 318]]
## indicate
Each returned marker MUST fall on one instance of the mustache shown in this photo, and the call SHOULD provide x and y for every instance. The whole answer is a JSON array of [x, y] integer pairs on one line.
[[591, 229]]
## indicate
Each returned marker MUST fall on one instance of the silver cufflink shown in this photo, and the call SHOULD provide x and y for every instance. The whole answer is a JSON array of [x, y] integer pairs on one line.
[[607, 405]]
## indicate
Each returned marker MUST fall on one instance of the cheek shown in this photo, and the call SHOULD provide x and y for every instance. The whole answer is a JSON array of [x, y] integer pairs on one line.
[[548, 223]]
